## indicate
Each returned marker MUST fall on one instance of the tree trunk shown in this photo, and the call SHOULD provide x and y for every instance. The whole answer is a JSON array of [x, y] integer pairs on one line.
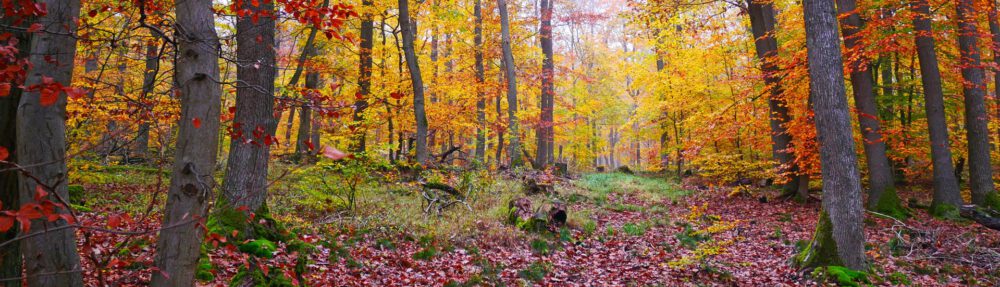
[[879, 171], [976, 118], [839, 239], [480, 89], [245, 183], [141, 146], [418, 84], [762, 26], [946, 193], [197, 73], [995, 48], [364, 77], [50, 259], [10, 255], [544, 130], [508, 60]]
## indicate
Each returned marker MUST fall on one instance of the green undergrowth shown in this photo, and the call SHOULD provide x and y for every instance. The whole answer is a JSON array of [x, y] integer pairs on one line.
[[889, 204], [649, 189]]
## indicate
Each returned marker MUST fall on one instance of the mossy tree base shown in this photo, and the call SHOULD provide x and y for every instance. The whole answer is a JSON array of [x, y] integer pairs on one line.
[[945, 211], [889, 204], [822, 250]]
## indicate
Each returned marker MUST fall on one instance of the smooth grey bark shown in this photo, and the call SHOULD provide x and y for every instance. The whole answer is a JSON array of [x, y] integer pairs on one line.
[[841, 182], [508, 59], [245, 181], [480, 80], [192, 181], [946, 192], [406, 26], [364, 76], [879, 170], [976, 118], [50, 259], [544, 130], [10, 255], [995, 48], [762, 26]]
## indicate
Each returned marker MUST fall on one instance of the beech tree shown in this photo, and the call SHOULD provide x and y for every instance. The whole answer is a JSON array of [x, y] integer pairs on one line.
[[197, 73], [976, 118], [511, 77], [544, 131], [946, 193], [839, 238], [881, 190], [50, 258], [406, 26]]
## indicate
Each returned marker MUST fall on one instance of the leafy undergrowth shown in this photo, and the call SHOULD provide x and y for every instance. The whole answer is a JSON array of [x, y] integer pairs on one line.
[[622, 230]]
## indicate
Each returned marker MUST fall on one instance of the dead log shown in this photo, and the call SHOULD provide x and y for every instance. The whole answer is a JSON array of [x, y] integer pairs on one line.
[[557, 215], [979, 216], [439, 196], [534, 186], [522, 215], [444, 156], [624, 169]]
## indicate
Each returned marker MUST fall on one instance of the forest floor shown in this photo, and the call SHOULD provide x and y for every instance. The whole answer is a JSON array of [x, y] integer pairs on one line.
[[623, 230]]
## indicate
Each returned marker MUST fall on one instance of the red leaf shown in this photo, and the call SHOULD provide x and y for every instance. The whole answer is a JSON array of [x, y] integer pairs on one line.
[[333, 153], [48, 97], [396, 95], [196, 122], [35, 28], [114, 221], [4, 89], [6, 222], [4, 153], [40, 193]]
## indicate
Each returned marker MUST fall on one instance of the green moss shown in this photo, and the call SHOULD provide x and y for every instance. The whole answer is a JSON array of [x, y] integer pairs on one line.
[[844, 276], [225, 219], [259, 247], [890, 205], [992, 201], [899, 279], [426, 254], [945, 211], [80, 208], [822, 251]]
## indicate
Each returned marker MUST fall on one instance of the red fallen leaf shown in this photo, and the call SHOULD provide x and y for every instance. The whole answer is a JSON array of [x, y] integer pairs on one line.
[[114, 221], [333, 153], [196, 122], [4, 89], [35, 28], [4, 153]]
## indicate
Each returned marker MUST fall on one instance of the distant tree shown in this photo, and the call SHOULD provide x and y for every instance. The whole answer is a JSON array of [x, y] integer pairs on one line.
[[508, 61], [544, 131], [839, 238], [406, 25], [364, 75], [480, 81]]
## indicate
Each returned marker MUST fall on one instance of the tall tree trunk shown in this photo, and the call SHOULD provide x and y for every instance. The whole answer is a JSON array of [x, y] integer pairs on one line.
[[406, 26], [364, 76], [995, 48], [197, 73], [480, 89], [946, 193], [245, 182], [839, 238], [304, 144], [308, 50], [508, 59], [10, 255], [50, 259], [762, 26], [880, 182], [544, 130], [141, 146], [976, 118]]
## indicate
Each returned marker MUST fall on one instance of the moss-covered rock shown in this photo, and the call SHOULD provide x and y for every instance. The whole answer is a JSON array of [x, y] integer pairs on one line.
[[842, 276], [822, 251], [205, 269], [273, 279]]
